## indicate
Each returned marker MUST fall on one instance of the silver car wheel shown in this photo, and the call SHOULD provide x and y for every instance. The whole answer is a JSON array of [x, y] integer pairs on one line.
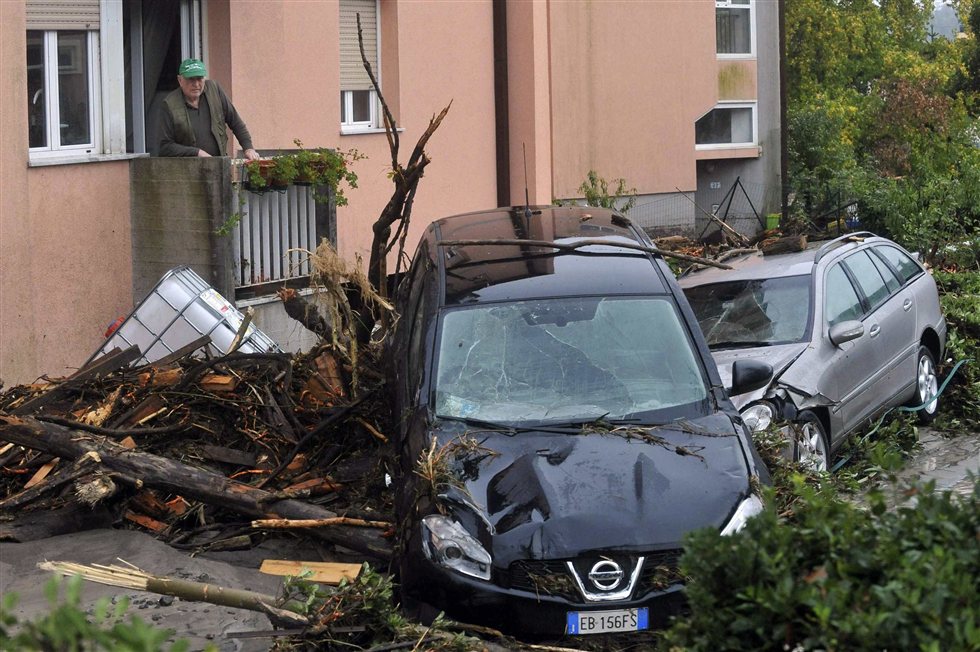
[[811, 445], [927, 383]]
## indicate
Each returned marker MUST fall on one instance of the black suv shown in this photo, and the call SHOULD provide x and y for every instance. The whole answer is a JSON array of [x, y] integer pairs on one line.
[[561, 424]]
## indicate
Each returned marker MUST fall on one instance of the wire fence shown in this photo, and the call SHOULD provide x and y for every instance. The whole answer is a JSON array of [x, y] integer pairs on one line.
[[744, 208]]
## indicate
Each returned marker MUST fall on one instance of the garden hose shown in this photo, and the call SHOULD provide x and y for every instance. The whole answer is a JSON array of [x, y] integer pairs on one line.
[[903, 408]]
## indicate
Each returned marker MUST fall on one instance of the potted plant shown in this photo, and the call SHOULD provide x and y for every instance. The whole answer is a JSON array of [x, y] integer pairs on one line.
[[271, 174], [319, 167], [325, 167]]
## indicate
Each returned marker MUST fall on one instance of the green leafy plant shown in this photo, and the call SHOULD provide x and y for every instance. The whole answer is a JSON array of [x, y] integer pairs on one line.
[[320, 168], [595, 190], [66, 626], [837, 576]]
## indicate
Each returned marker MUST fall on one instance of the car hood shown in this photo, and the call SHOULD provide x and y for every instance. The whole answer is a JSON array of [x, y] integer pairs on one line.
[[555, 496], [780, 357]]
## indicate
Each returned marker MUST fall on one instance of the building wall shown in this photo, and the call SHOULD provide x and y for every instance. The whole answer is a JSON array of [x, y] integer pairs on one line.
[[759, 174], [64, 238], [285, 63], [629, 80]]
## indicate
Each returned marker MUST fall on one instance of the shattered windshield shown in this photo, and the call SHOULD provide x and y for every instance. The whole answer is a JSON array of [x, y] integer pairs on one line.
[[561, 359], [759, 312]]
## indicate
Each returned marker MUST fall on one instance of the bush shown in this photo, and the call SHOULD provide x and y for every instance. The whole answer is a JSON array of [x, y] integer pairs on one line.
[[68, 627], [960, 297], [840, 577]]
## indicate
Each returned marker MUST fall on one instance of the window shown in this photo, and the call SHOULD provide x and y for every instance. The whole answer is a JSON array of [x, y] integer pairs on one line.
[[734, 27], [358, 100], [867, 277], [726, 125], [69, 76], [841, 300], [62, 78], [905, 267]]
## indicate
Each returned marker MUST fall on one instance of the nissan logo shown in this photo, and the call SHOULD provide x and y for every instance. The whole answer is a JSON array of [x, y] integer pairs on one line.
[[606, 575]]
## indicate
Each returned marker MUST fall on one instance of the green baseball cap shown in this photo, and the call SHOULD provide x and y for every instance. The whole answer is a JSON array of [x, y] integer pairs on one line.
[[192, 68]]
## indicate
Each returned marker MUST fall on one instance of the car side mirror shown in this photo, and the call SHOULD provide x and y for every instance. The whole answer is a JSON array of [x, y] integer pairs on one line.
[[845, 331], [749, 375]]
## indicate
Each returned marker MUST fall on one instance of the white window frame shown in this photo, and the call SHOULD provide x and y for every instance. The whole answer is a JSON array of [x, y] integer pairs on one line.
[[106, 94], [52, 104], [347, 96], [755, 126], [750, 7], [351, 126]]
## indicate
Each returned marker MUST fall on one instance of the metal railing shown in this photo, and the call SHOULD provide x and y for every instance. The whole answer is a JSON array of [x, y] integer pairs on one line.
[[274, 234]]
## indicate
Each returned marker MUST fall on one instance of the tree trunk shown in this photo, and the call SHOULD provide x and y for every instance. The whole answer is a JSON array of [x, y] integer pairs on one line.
[[197, 484]]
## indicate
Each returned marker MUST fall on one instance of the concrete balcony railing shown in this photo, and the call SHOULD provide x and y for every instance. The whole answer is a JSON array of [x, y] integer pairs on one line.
[[189, 211]]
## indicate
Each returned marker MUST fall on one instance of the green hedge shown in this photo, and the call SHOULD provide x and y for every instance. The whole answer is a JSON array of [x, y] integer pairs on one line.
[[960, 297], [838, 577]]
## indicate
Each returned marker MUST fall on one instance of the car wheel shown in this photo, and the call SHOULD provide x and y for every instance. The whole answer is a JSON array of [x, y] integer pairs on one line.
[[926, 386], [810, 447]]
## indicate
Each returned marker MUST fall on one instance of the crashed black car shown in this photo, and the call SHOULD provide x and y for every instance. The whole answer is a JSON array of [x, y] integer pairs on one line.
[[561, 424]]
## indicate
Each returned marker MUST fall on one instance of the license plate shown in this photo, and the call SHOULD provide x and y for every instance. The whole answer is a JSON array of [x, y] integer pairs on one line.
[[603, 622]]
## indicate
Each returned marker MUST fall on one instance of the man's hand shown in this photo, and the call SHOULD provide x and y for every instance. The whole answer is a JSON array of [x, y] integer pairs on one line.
[[251, 155], [201, 153]]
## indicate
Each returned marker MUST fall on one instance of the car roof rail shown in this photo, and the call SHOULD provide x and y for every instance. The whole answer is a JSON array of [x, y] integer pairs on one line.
[[827, 247]]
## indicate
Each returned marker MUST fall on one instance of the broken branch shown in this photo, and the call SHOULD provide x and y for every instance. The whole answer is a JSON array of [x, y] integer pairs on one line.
[[579, 244]]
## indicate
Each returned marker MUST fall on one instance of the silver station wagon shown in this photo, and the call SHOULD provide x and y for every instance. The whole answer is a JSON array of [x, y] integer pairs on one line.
[[851, 328]]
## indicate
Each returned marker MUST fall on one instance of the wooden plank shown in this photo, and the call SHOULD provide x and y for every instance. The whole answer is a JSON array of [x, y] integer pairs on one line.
[[218, 383], [114, 360], [161, 377], [145, 521], [42, 473], [321, 571], [148, 407], [182, 352]]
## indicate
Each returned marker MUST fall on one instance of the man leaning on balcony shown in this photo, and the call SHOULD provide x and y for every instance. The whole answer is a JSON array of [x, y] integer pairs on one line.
[[194, 117]]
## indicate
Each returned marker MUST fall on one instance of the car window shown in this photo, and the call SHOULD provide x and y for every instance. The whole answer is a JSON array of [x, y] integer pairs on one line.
[[753, 312], [867, 277], [561, 359], [886, 272], [900, 261], [840, 298]]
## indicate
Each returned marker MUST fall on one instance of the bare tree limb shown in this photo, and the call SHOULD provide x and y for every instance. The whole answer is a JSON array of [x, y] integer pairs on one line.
[[579, 244]]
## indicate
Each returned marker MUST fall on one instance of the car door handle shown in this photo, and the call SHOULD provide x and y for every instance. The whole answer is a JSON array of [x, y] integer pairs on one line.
[[907, 305], [874, 330]]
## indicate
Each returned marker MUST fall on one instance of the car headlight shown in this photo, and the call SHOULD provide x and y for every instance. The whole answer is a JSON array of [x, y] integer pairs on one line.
[[446, 543], [745, 510], [758, 416]]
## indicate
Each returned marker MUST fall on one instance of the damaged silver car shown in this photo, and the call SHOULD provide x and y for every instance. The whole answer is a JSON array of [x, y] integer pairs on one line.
[[851, 328], [561, 425]]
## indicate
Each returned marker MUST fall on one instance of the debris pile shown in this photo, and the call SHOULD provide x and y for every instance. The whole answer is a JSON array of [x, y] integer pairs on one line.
[[194, 449]]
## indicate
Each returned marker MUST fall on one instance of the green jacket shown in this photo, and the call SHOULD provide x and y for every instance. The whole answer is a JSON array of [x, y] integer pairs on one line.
[[183, 131]]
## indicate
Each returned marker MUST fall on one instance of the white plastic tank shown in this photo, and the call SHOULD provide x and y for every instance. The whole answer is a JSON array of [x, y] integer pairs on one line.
[[178, 310]]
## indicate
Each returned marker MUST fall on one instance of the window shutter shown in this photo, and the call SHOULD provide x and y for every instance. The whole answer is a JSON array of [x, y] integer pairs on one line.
[[353, 77], [63, 14]]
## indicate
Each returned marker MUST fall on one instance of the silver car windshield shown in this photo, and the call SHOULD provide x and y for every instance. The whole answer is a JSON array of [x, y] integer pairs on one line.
[[566, 359], [760, 312]]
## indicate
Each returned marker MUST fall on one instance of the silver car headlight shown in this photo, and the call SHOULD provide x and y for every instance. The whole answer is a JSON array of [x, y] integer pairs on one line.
[[446, 543], [745, 510], [758, 416]]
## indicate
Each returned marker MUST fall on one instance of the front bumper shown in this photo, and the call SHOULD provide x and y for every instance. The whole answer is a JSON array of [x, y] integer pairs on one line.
[[519, 611]]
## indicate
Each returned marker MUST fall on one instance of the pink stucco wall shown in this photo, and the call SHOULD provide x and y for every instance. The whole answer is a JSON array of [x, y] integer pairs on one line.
[[530, 102], [621, 72], [285, 79], [65, 266]]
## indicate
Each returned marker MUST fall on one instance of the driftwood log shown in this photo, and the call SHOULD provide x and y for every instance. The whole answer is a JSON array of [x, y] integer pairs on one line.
[[162, 473]]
